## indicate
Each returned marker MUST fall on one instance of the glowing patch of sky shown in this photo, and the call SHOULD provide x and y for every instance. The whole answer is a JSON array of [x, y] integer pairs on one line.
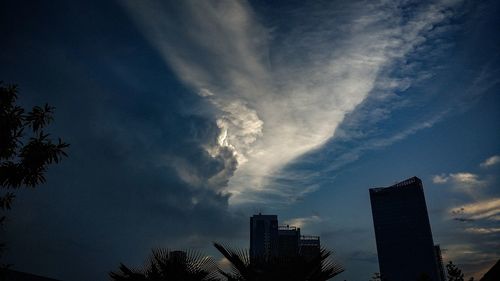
[[269, 115]]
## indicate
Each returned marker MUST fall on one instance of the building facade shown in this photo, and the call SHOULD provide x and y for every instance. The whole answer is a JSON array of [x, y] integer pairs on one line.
[[263, 237], [403, 233], [439, 261], [288, 241], [310, 246]]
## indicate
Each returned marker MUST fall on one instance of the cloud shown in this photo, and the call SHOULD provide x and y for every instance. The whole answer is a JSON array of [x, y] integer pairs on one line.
[[472, 259], [482, 230], [272, 105], [133, 183], [465, 182], [487, 209], [440, 179], [303, 221], [150, 163], [474, 241], [138, 175], [492, 161], [468, 182], [466, 178]]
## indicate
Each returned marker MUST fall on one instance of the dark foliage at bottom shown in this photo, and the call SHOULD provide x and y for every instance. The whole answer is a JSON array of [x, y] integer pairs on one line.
[[167, 265], [296, 268]]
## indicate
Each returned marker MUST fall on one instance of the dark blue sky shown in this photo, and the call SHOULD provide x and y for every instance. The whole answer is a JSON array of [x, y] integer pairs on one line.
[[186, 118]]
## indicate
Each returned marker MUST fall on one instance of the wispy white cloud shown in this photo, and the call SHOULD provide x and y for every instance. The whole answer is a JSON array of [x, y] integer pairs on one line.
[[467, 179], [277, 101], [483, 230], [466, 182], [361, 129], [486, 209], [474, 259], [440, 179], [303, 221], [477, 235], [492, 161]]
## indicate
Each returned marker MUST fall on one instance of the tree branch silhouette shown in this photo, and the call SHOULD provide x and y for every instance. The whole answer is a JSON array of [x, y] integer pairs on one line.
[[26, 150]]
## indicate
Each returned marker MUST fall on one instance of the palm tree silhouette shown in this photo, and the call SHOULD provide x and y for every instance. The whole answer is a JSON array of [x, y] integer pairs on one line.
[[293, 268], [168, 265]]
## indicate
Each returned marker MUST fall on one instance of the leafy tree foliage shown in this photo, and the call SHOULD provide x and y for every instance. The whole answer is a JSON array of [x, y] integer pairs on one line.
[[454, 273], [26, 150], [295, 268], [167, 265]]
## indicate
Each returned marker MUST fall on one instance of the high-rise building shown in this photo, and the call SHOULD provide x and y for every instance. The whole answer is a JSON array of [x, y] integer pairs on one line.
[[310, 246], [263, 237], [269, 240], [403, 232], [288, 241], [439, 261]]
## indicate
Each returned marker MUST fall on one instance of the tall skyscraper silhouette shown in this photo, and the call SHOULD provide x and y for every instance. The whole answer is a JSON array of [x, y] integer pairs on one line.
[[288, 241], [263, 237], [403, 232], [439, 260]]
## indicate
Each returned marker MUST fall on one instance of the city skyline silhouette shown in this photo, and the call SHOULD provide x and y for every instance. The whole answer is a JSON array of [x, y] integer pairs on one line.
[[184, 119]]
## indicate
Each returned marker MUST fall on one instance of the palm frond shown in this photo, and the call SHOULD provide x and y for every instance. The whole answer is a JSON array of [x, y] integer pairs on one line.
[[240, 262], [166, 264], [278, 268]]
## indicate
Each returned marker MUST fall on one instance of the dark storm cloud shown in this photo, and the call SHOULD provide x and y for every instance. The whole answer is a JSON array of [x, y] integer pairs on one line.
[[138, 173], [302, 94]]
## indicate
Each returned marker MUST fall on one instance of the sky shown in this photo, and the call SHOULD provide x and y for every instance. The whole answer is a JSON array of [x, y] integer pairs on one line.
[[185, 118]]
